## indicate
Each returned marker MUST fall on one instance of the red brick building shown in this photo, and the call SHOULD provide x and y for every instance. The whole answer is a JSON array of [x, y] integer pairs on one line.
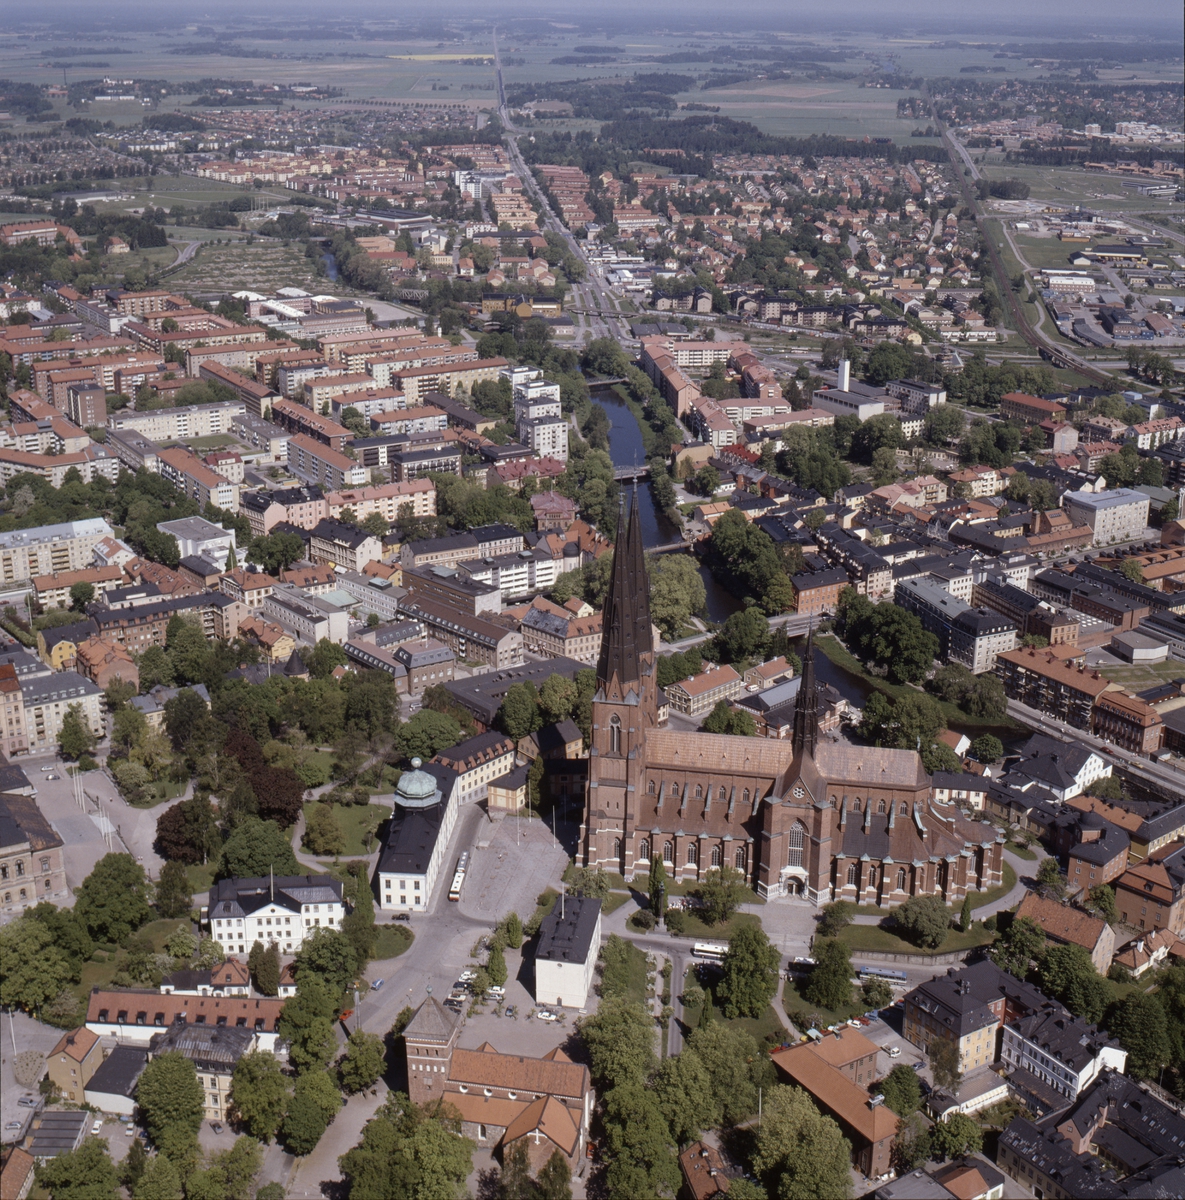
[[1020, 406], [1127, 721]]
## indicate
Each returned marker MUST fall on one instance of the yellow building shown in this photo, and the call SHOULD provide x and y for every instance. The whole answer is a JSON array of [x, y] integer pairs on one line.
[[73, 1061]]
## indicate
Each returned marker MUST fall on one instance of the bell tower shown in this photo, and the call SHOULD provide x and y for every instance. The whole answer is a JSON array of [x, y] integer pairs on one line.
[[625, 706]]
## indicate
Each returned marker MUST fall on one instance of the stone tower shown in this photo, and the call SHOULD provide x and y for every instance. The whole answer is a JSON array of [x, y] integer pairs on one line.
[[430, 1037], [625, 706]]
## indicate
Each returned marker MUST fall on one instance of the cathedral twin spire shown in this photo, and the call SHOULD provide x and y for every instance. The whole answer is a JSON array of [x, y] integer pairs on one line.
[[626, 636]]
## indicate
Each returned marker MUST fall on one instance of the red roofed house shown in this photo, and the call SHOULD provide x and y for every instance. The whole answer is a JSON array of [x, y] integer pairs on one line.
[[544, 1103], [1071, 927]]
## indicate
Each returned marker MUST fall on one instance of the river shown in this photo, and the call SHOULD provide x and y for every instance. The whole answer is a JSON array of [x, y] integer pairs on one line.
[[626, 450]]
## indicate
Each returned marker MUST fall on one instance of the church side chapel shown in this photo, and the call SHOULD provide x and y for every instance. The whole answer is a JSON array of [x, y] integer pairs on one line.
[[811, 817]]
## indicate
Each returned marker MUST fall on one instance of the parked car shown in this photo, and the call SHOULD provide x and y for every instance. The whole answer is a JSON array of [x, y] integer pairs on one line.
[[495, 991], [468, 976], [27, 1102], [216, 1126], [546, 1015], [97, 1125], [893, 1051], [129, 1131], [378, 983], [403, 916]]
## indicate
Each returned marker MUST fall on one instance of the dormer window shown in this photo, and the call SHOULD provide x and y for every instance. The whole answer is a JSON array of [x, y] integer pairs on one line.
[[487, 1091]]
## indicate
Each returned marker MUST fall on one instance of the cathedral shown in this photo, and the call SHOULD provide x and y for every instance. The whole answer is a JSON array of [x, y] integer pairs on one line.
[[809, 817]]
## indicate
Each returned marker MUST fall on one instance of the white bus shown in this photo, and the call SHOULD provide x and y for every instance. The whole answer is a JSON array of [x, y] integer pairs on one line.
[[712, 951], [454, 892]]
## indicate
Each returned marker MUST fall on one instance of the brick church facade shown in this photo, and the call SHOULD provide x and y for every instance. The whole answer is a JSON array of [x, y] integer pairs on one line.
[[810, 817]]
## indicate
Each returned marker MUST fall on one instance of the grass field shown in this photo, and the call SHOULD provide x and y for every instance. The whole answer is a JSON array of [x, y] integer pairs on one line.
[[201, 877], [1070, 185], [874, 938], [263, 266], [631, 984], [793, 1000], [355, 821], [215, 441], [392, 941], [696, 927], [1135, 678]]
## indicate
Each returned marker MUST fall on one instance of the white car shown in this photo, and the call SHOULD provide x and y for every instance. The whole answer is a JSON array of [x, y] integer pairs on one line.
[[894, 1051], [497, 992], [468, 976], [129, 1131], [546, 1016], [97, 1126]]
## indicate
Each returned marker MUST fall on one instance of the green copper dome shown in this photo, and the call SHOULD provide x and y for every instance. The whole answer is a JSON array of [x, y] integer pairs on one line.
[[416, 788]]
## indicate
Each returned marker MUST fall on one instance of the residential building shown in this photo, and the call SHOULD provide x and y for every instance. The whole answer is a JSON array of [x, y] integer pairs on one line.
[[1019, 406], [112, 1088], [283, 910], [544, 1104], [470, 637], [1044, 681], [324, 466], [969, 1178], [703, 1170], [103, 661], [299, 506], [1099, 854], [276, 643], [1151, 894], [341, 545], [868, 1125], [309, 618], [14, 737], [553, 632], [73, 1061], [214, 1051], [1117, 515], [476, 761], [427, 662], [134, 1016], [178, 424], [297, 418], [702, 692], [53, 591], [968, 1008], [971, 636], [818, 591], [46, 549], [566, 952], [188, 474], [47, 698], [1127, 721], [415, 498], [422, 821], [198, 537], [229, 978], [1071, 927], [249, 587]]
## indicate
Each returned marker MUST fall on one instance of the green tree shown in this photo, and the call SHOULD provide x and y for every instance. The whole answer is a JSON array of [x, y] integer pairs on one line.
[[324, 658], [328, 954], [619, 1038], [751, 971], [514, 931], [81, 594], [173, 895], [876, 993], [323, 832], [75, 738], [722, 892], [557, 697], [171, 1102], [267, 971], [641, 1155], [515, 1181], [254, 849], [944, 1064], [160, 1180], [800, 1152], [519, 714], [316, 1102], [1068, 974], [364, 1061], [829, 984], [259, 1094], [83, 1174], [496, 967], [901, 1090], [554, 1181], [358, 925], [133, 1166], [426, 734], [1014, 949], [188, 832], [306, 1022], [836, 917], [1050, 878], [658, 886], [925, 920], [677, 592], [113, 899], [1102, 899], [987, 749], [683, 1089], [965, 914], [33, 970], [745, 635], [1140, 1024], [736, 1067], [956, 1136]]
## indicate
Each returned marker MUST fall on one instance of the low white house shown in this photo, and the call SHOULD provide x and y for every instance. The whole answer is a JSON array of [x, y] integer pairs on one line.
[[569, 941], [281, 910], [425, 812], [1052, 1056]]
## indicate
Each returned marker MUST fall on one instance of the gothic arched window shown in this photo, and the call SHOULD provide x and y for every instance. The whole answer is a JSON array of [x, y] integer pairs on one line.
[[740, 858], [722, 794], [852, 875], [617, 847], [20, 869], [699, 791], [880, 806], [903, 811], [692, 855], [797, 840], [614, 734], [668, 852], [644, 850], [901, 879], [717, 856], [650, 789], [745, 795]]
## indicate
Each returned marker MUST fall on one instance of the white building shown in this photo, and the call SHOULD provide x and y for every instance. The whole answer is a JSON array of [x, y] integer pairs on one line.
[[282, 910], [1060, 1051], [47, 699], [422, 823], [199, 538], [1118, 515], [308, 618], [569, 941]]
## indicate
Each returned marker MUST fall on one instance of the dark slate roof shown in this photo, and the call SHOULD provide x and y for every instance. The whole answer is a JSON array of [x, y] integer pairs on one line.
[[119, 1072], [1113, 843], [556, 736], [567, 936], [238, 897], [959, 1000], [22, 821], [78, 632], [432, 1022], [412, 832], [628, 635], [482, 695]]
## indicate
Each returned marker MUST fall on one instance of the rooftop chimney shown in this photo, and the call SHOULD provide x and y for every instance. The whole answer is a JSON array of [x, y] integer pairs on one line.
[[845, 374]]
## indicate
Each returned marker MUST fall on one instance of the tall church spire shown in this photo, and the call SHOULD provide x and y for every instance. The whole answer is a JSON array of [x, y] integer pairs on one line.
[[805, 738], [626, 635]]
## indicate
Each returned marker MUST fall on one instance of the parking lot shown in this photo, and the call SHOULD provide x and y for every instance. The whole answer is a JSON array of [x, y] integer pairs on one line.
[[19, 1032]]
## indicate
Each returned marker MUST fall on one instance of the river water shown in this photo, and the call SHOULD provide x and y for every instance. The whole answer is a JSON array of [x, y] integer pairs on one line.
[[626, 450]]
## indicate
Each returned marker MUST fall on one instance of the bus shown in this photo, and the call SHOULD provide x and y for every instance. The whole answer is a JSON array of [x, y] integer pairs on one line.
[[712, 951], [454, 892], [882, 973]]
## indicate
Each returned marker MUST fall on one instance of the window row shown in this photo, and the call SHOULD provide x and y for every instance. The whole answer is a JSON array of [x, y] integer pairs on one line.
[[692, 855]]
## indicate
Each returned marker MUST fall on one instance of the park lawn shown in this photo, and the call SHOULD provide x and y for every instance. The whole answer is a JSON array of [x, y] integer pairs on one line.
[[698, 928], [159, 792], [613, 902], [874, 938], [1003, 727], [793, 1001], [201, 877], [1022, 852], [391, 941], [355, 820], [979, 899], [214, 442], [688, 887], [635, 983]]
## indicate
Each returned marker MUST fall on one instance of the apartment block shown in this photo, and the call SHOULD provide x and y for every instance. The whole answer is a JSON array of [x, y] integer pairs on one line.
[[188, 474], [416, 498], [1118, 515], [322, 465], [179, 424], [47, 699], [700, 693], [296, 418], [45, 549]]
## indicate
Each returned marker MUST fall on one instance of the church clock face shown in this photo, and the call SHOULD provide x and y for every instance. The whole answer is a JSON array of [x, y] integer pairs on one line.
[[799, 792]]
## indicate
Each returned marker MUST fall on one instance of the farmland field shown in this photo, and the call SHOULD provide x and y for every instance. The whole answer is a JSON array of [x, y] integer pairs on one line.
[[235, 266]]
